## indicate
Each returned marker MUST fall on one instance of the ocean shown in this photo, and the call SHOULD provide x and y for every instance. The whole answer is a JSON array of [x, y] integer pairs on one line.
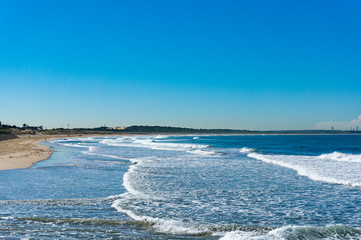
[[188, 187]]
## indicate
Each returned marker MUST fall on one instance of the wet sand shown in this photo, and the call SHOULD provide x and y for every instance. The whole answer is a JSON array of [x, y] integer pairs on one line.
[[24, 151]]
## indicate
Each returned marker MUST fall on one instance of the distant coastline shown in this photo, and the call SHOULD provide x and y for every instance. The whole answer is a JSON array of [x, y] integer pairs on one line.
[[21, 147], [11, 132]]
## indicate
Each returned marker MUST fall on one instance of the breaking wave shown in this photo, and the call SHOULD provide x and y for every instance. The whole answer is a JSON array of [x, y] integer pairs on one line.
[[343, 157], [331, 232], [142, 199], [326, 167], [226, 232], [246, 150], [155, 143]]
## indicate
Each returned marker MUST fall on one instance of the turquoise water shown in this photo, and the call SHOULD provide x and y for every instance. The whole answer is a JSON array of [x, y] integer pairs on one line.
[[188, 187]]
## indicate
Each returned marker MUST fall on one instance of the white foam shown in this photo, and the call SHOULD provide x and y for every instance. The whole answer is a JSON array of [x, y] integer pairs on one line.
[[159, 224], [75, 145], [114, 196], [196, 138], [149, 143], [202, 152], [160, 136], [126, 177], [120, 141], [239, 235], [246, 150], [316, 168], [343, 157], [329, 232], [154, 143], [7, 218], [106, 155], [121, 204]]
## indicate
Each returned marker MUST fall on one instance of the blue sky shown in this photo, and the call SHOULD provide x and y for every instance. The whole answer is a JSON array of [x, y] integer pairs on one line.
[[203, 64]]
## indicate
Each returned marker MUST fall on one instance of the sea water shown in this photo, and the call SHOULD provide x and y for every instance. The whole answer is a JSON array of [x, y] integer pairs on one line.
[[188, 187]]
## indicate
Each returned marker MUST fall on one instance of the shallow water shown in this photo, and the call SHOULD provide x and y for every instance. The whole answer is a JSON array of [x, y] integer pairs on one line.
[[188, 187]]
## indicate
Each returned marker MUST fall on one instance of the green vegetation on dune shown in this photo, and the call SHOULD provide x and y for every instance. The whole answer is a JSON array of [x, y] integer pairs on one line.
[[141, 129]]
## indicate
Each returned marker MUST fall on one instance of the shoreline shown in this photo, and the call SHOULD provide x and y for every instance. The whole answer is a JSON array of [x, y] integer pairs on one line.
[[25, 151]]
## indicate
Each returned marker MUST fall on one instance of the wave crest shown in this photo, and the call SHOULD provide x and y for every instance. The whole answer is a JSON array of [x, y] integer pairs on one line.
[[316, 168], [343, 157], [246, 150], [157, 144], [331, 232]]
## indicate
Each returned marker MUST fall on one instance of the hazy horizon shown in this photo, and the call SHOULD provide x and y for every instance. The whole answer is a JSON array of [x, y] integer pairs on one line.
[[201, 64]]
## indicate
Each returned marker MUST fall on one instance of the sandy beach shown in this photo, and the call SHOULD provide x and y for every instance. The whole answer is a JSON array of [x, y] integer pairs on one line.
[[24, 151]]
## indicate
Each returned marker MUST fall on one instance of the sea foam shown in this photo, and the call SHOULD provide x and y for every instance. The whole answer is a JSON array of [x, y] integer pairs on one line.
[[246, 150], [157, 144], [343, 157], [330, 232], [159, 224], [319, 168]]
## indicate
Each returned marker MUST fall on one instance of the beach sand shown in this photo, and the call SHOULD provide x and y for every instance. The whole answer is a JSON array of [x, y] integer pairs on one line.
[[24, 151]]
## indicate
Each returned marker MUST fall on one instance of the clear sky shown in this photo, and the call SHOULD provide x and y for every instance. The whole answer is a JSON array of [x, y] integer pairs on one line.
[[246, 64]]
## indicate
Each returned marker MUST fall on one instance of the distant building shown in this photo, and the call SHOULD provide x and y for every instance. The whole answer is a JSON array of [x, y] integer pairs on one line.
[[117, 128], [27, 127]]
